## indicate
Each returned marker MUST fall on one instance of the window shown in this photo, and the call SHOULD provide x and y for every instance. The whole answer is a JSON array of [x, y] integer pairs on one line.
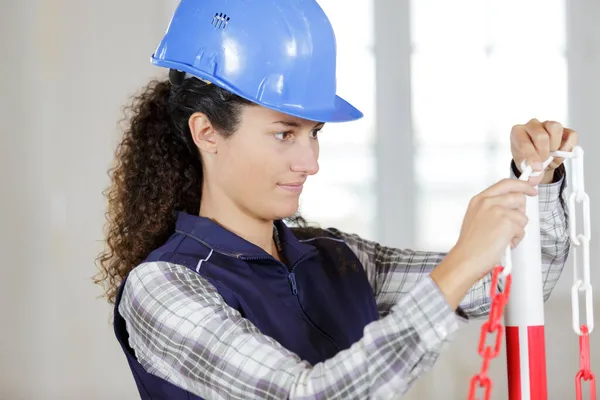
[[478, 67], [342, 193]]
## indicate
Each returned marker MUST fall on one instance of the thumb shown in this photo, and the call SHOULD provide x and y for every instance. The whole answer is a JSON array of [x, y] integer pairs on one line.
[[532, 159]]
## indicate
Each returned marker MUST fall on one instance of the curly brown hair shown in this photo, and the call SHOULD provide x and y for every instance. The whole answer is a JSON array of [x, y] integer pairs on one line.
[[158, 170]]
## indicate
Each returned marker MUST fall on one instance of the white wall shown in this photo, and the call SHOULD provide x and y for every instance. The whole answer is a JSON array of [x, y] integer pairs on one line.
[[67, 68]]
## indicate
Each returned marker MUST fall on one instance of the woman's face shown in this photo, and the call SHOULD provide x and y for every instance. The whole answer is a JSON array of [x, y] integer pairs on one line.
[[262, 167]]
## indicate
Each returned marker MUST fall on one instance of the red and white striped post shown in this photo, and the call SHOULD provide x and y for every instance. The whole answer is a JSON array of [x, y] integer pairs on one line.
[[524, 315]]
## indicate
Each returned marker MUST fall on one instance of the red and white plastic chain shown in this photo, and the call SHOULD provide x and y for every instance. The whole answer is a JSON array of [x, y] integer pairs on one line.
[[500, 299], [492, 325]]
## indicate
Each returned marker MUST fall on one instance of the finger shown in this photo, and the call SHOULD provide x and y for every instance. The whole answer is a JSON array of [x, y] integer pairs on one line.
[[514, 201], [540, 139], [517, 239], [556, 132], [570, 139], [524, 146], [508, 201], [518, 221], [510, 185], [518, 218]]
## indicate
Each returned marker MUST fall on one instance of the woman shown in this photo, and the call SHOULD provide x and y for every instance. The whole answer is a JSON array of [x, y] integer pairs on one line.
[[215, 297]]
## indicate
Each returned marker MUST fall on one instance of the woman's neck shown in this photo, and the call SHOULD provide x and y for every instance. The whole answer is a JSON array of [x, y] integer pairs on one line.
[[231, 217]]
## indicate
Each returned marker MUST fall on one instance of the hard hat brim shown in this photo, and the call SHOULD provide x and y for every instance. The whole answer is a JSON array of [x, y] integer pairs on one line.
[[342, 110]]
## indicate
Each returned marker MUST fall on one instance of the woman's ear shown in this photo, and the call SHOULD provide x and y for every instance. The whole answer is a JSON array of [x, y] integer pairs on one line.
[[203, 133]]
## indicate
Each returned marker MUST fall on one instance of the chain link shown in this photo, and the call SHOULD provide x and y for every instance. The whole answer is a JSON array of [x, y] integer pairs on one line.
[[581, 271], [492, 326], [585, 373]]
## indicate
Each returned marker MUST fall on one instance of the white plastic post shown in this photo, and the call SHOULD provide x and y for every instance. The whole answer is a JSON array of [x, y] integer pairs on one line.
[[524, 315]]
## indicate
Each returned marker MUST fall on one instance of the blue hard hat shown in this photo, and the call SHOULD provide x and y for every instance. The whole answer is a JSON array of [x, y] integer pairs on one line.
[[280, 54]]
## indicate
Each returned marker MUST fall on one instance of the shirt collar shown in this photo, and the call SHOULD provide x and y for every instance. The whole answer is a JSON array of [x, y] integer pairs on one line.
[[223, 241]]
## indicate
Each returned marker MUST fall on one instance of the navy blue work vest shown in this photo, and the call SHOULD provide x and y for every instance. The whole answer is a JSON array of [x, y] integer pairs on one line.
[[315, 306]]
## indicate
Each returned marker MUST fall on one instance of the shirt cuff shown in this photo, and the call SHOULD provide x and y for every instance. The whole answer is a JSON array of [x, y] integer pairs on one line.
[[429, 314], [548, 194]]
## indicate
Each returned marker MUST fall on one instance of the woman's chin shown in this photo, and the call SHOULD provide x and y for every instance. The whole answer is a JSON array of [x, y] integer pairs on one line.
[[286, 209]]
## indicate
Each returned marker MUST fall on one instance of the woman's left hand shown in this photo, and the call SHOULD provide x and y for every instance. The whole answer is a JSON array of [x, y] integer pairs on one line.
[[533, 143]]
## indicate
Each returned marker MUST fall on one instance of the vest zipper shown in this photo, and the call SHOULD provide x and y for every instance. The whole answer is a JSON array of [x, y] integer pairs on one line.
[[292, 279], [294, 288]]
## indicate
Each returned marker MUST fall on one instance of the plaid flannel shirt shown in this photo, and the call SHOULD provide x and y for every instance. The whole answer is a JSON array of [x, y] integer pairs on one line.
[[183, 331]]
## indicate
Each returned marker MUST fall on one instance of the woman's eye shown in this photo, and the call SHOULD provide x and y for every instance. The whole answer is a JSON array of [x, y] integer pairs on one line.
[[283, 135], [315, 133]]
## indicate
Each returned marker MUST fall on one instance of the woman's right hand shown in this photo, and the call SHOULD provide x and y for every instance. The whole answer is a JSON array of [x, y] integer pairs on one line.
[[495, 219]]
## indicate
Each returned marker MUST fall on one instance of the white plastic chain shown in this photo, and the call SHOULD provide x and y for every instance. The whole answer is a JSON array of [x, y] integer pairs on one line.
[[581, 241]]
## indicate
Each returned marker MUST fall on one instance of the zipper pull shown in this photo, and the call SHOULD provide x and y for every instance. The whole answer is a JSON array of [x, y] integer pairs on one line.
[[292, 278]]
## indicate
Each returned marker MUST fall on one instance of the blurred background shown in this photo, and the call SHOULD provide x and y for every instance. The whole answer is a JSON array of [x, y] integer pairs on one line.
[[440, 83]]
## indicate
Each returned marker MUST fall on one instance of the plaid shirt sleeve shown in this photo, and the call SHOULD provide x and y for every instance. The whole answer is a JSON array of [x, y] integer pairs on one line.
[[182, 330], [394, 272]]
